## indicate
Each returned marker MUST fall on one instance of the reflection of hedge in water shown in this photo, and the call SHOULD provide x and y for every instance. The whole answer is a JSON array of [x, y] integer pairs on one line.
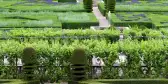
[[151, 52]]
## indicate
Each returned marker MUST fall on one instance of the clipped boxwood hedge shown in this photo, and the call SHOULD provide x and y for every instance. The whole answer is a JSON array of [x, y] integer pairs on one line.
[[66, 0], [114, 20], [102, 9], [78, 25], [127, 81]]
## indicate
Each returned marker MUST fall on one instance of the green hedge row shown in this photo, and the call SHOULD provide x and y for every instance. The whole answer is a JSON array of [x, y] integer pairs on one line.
[[53, 34], [78, 25], [127, 81], [114, 20], [102, 9], [134, 32], [141, 7], [151, 53], [66, 0], [26, 7], [48, 19]]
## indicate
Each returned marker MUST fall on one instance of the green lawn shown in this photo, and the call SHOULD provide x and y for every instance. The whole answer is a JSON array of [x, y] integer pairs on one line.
[[11, 81]]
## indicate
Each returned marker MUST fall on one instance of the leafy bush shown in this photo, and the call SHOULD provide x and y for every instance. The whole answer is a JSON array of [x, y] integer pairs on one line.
[[30, 65], [151, 54], [51, 34], [56, 54]]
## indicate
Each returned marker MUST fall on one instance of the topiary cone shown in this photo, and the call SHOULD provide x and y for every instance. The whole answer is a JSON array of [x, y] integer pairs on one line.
[[29, 65], [78, 65]]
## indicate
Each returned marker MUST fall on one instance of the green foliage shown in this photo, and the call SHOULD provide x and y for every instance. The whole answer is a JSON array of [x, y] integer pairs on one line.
[[88, 5], [39, 7], [48, 19], [72, 20], [130, 19], [66, 0], [29, 56], [151, 53], [78, 56], [126, 81], [158, 6], [56, 54], [110, 35], [30, 65], [34, 21], [102, 8], [111, 5]]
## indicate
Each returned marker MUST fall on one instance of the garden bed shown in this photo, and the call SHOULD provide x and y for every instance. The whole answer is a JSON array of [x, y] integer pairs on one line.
[[149, 20], [48, 19], [29, 21], [142, 6], [40, 6]]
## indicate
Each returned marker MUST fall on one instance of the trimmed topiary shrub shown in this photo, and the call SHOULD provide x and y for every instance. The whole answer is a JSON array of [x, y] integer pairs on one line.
[[29, 65], [88, 4], [78, 65]]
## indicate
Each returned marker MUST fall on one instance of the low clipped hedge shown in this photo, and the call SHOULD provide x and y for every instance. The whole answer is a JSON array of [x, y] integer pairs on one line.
[[102, 9], [114, 20], [17, 81], [66, 0], [147, 24], [77, 20], [77, 25], [128, 81]]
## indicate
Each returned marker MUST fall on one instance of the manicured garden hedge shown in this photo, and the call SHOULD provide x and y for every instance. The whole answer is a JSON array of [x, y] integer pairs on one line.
[[102, 9], [116, 21], [66, 0], [29, 21], [48, 19], [41, 6], [151, 53], [127, 81], [141, 7], [134, 32], [52, 34], [72, 20]]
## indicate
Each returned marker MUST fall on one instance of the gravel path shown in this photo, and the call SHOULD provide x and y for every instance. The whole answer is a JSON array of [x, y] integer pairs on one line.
[[103, 22]]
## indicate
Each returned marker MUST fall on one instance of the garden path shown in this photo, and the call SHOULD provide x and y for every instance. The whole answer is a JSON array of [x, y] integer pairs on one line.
[[103, 22]]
